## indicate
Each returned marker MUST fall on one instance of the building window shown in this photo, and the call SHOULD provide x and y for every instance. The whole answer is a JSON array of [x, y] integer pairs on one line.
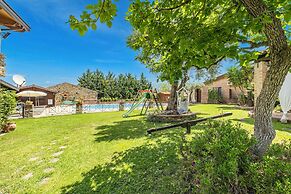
[[219, 90], [50, 101], [230, 93]]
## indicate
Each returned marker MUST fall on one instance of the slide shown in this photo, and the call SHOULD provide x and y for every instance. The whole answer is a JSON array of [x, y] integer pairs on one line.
[[134, 106]]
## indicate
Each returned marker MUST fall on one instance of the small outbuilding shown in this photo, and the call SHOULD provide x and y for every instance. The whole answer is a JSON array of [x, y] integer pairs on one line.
[[66, 92], [48, 100], [164, 97]]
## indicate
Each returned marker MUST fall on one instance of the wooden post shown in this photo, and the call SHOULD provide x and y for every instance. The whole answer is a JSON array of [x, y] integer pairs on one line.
[[79, 108], [28, 110], [121, 106], [188, 128]]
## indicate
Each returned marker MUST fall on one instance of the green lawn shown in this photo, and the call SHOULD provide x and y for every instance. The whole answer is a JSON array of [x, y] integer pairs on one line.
[[102, 153]]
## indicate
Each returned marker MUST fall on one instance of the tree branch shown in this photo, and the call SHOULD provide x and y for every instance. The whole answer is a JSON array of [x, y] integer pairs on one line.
[[101, 9], [273, 30]]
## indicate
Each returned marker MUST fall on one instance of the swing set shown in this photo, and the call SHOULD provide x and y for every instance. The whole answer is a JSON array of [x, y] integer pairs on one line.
[[146, 98]]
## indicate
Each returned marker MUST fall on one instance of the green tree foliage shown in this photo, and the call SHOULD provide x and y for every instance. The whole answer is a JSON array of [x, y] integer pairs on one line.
[[177, 34], [112, 87], [103, 11], [164, 87], [214, 96], [206, 74], [241, 77], [174, 35], [7, 106]]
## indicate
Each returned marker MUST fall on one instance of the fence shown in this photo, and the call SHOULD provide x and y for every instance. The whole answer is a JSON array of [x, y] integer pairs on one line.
[[72, 109]]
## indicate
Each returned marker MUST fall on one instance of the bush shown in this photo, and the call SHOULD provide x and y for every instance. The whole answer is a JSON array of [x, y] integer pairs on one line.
[[273, 173], [214, 96], [220, 158], [246, 99], [221, 162], [7, 106]]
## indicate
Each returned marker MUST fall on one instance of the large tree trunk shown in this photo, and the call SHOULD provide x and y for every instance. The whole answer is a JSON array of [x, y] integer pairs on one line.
[[172, 104], [280, 54], [265, 104]]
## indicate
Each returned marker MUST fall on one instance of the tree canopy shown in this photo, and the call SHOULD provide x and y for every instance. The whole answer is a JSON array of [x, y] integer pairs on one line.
[[201, 31], [241, 76], [174, 36], [113, 87], [179, 34]]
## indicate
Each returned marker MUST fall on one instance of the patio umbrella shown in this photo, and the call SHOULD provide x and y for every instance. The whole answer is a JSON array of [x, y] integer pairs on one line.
[[29, 94]]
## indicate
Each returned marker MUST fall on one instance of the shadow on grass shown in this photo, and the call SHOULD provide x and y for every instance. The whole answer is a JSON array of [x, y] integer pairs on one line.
[[228, 108], [134, 115], [277, 125], [125, 129], [151, 168], [202, 115], [249, 121], [132, 129]]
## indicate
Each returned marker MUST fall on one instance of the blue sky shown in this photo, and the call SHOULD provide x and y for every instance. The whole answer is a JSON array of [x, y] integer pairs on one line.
[[52, 53]]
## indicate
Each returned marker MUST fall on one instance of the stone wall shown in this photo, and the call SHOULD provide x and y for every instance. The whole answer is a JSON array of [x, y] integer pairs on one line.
[[226, 89], [260, 71], [67, 91]]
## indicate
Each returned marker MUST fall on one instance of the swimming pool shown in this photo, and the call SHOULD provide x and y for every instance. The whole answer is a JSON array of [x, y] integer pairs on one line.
[[89, 108], [71, 109]]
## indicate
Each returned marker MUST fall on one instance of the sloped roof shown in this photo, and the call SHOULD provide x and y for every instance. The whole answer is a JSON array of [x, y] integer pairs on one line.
[[8, 85], [55, 87], [223, 76], [10, 19], [38, 87]]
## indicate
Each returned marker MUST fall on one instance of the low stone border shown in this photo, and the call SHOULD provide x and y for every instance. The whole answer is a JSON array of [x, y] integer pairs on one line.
[[163, 118]]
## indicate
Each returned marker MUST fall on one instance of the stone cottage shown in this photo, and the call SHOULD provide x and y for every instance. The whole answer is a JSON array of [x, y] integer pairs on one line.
[[71, 92], [227, 92]]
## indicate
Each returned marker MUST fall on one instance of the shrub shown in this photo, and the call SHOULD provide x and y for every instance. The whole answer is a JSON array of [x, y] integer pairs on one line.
[[214, 96], [220, 158], [273, 173], [7, 105], [246, 99], [221, 162], [242, 99]]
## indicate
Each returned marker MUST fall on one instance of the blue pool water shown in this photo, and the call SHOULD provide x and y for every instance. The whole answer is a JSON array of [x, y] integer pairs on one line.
[[106, 107]]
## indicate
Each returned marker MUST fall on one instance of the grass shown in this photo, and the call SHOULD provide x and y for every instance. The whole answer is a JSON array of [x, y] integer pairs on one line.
[[102, 153]]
